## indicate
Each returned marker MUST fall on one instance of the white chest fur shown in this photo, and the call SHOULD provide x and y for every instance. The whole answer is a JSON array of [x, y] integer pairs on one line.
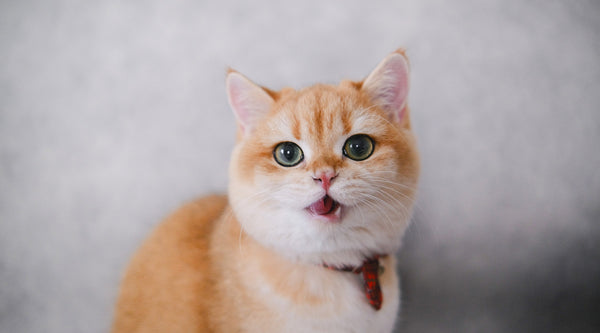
[[321, 300]]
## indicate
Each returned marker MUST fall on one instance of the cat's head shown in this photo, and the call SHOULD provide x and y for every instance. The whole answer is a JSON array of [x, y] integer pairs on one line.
[[326, 174]]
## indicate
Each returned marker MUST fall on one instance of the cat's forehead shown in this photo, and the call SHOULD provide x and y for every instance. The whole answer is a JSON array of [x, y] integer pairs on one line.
[[324, 111]]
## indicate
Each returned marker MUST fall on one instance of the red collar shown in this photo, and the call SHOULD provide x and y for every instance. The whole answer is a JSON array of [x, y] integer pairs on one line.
[[370, 270]]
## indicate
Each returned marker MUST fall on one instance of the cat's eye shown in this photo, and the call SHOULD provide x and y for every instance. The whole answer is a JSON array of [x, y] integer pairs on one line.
[[359, 147], [288, 154]]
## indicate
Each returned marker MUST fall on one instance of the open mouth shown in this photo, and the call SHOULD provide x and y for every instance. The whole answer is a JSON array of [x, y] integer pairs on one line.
[[325, 207]]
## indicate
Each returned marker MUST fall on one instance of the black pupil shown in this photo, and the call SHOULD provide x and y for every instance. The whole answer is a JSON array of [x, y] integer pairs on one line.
[[359, 146], [288, 152]]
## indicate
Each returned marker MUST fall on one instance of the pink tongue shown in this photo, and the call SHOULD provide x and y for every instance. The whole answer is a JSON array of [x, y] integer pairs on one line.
[[322, 206]]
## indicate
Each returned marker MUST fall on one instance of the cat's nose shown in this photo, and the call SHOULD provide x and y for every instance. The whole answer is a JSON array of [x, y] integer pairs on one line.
[[325, 178]]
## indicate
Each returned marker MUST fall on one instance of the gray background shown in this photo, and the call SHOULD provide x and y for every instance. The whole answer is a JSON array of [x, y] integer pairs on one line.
[[113, 113]]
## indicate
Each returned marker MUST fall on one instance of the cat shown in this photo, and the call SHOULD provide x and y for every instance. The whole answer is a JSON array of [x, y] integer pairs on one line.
[[322, 185]]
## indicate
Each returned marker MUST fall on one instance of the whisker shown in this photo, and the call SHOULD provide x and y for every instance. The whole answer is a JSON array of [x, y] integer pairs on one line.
[[373, 203], [254, 200]]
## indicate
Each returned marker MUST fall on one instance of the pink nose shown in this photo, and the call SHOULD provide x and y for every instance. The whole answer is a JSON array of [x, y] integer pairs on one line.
[[325, 178]]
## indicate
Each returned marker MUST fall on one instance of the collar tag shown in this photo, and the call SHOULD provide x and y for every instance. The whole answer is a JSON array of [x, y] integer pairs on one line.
[[370, 271]]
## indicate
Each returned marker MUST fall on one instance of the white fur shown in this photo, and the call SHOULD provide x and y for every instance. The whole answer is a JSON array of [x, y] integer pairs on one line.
[[346, 309]]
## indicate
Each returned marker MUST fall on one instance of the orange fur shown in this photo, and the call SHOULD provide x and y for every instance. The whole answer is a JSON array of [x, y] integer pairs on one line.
[[214, 266]]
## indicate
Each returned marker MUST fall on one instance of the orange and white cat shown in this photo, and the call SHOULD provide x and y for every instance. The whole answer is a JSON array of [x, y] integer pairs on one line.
[[322, 184]]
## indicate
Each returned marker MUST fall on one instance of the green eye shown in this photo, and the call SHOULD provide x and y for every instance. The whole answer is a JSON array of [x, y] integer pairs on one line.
[[288, 154], [359, 147]]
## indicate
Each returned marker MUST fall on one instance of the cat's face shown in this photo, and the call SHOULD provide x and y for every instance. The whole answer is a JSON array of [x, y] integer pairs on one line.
[[326, 174]]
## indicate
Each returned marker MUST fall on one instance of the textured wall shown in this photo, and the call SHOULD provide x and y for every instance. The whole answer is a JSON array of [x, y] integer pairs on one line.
[[112, 113]]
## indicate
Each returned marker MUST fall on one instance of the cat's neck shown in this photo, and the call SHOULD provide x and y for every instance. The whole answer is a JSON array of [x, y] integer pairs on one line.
[[248, 246], [249, 251], [292, 278]]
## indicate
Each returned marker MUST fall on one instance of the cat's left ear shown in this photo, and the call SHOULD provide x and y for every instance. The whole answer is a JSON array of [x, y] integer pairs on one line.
[[249, 101], [387, 86]]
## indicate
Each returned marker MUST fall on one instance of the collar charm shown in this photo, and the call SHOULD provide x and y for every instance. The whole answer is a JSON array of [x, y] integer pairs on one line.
[[370, 274], [370, 271]]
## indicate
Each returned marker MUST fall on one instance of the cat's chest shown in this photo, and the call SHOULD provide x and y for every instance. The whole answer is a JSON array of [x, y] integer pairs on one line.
[[347, 314], [324, 302]]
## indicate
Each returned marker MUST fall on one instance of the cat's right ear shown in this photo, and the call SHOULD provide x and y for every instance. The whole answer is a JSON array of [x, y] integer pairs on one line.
[[249, 101]]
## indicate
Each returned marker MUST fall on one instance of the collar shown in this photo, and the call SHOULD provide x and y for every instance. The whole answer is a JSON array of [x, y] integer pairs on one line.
[[370, 270]]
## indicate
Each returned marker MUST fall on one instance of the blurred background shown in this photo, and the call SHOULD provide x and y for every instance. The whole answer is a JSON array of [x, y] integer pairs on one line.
[[113, 113]]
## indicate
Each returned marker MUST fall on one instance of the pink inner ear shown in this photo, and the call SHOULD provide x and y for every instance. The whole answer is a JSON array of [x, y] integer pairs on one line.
[[235, 99], [248, 101], [388, 85], [399, 90]]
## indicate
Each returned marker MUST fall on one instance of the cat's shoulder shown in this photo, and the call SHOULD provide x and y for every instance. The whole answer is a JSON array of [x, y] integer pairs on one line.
[[206, 206], [189, 227], [184, 233], [203, 208], [170, 266], [198, 213]]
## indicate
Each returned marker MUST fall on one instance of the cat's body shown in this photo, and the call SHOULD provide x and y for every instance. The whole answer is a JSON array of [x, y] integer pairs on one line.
[[254, 290], [321, 179]]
